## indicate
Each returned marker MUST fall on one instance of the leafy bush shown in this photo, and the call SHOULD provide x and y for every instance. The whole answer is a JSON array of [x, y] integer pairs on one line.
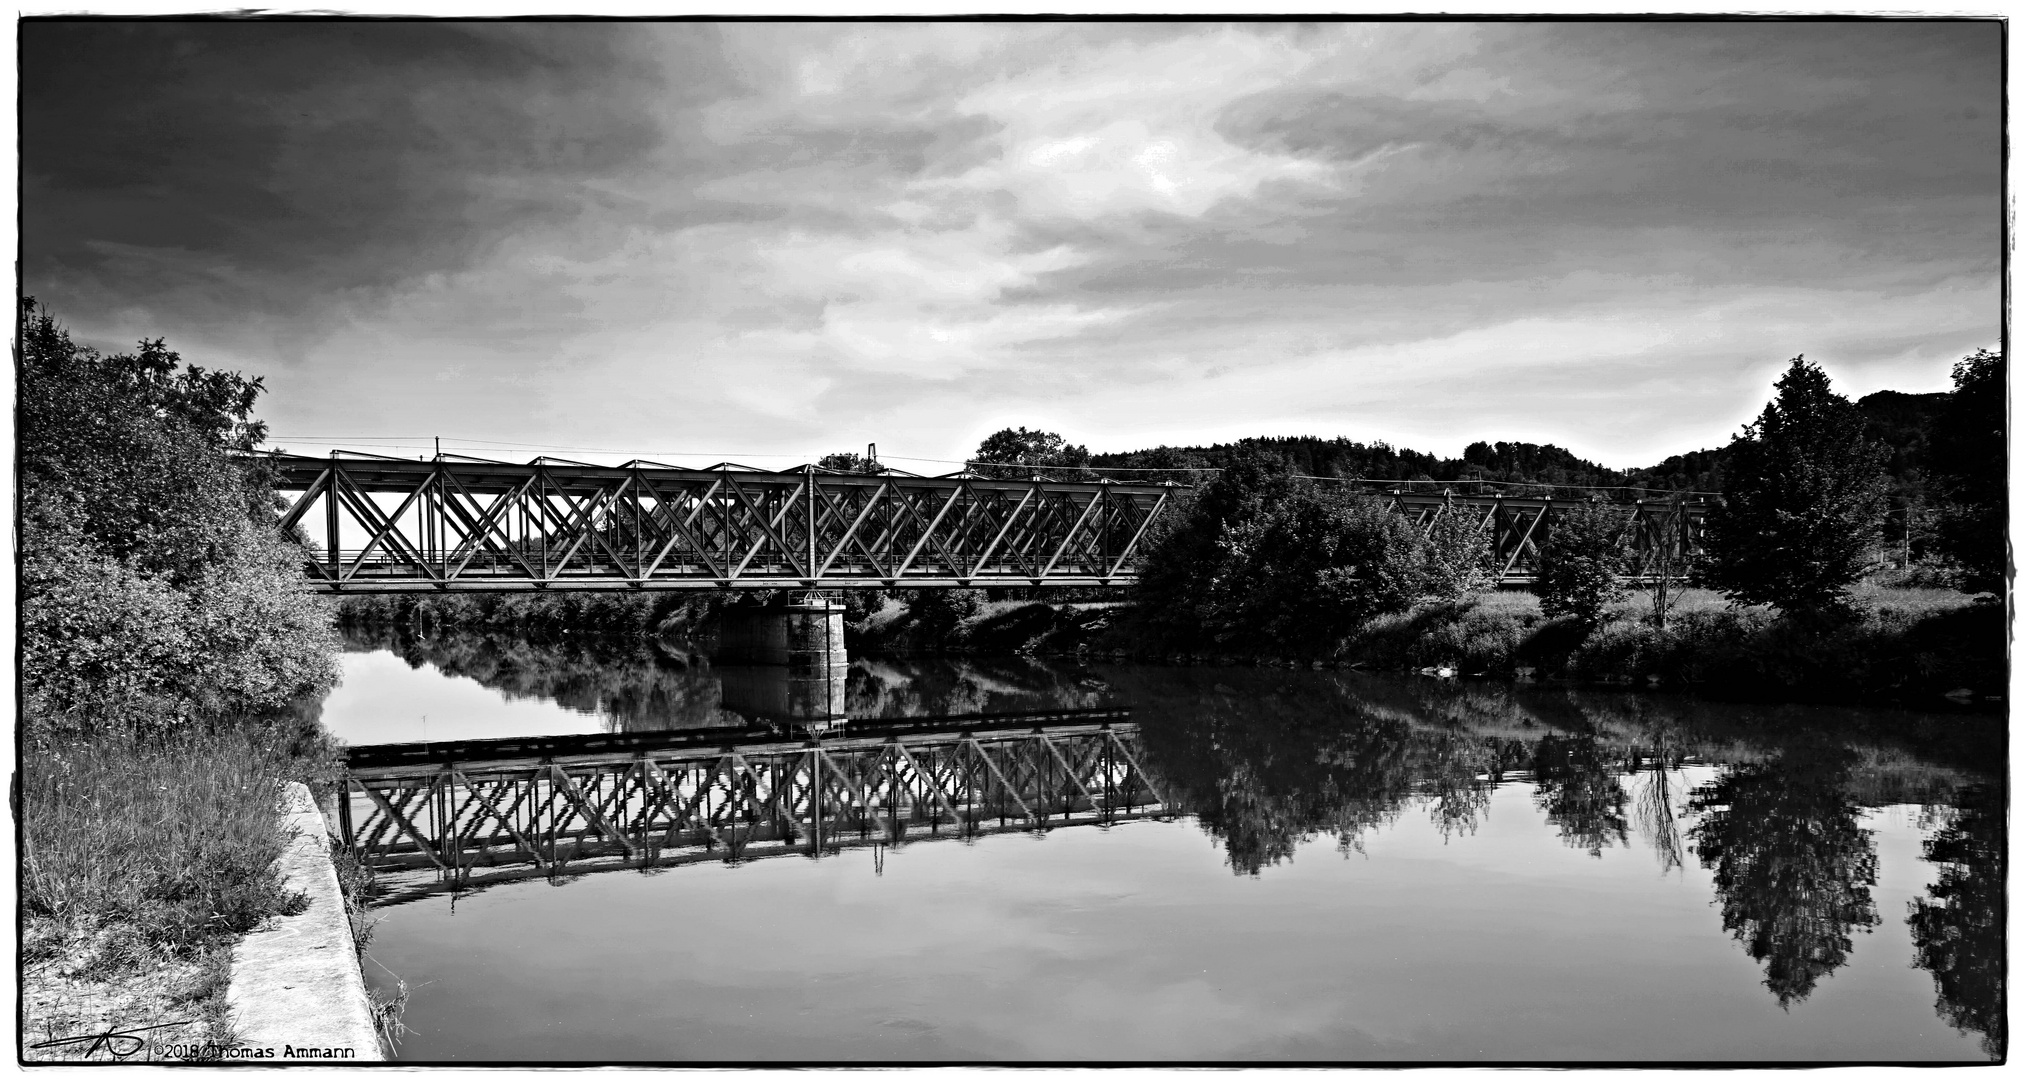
[[1262, 559], [937, 611], [1968, 456], [106, 645], [154, 589], [1582, 564]]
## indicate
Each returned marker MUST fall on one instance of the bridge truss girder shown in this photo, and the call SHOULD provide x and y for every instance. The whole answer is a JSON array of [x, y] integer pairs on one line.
[[462, 825], [452, 524]]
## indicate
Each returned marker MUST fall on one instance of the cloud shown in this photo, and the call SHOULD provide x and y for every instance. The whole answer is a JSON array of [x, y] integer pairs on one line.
[[1130, 127], [793, 237]]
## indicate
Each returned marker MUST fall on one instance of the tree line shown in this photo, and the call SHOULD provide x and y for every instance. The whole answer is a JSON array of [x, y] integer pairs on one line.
[[1261, 554]]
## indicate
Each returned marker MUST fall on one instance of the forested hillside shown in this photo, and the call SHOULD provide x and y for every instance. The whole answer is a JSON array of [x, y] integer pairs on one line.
[[1902, 422]]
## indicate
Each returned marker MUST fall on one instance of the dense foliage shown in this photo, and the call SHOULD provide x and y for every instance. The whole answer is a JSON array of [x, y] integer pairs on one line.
[[1969, 460], [1262, 559], [847, 462], [1016, 453], [1804, 503], [1502, 462], [1582, 565], [154, 590]]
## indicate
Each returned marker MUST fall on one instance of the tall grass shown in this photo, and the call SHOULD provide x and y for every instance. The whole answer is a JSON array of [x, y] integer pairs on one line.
[[169, 842]]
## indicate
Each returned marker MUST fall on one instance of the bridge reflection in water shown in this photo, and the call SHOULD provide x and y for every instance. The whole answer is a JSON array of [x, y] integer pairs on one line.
[[429, 818]]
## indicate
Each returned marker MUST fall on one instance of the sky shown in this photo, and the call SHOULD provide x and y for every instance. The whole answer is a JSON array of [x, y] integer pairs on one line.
[[769, 241]]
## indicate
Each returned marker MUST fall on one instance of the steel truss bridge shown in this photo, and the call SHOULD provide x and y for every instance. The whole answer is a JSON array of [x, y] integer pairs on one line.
[[431, 818], [459, 524]]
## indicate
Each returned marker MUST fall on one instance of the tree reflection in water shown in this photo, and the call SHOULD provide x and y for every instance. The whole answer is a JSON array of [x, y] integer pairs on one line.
[[1793, 865], [1958, 933], [1577, 788], [631, 683], [636, 684], [1266, 764], [1657, 818]]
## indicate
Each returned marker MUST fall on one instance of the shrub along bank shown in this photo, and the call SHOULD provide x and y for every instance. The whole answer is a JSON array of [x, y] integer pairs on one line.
[[164, 648]]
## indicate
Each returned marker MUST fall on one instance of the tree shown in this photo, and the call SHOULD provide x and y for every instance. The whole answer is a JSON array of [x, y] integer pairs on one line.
[[133, 452], [1458, 558], [154, 586], [1671, 563], [1804, 503], [1016, 453], [1967, 453], [1261, 557], [1314, 567], [847, 462], [1582, 566], [1183, 550]]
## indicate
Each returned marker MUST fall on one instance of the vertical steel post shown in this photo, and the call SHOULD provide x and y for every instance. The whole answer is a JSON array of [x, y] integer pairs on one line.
[[330, 517]]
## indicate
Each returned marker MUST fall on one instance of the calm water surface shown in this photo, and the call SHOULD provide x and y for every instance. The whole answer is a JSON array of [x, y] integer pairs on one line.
[[1344, 868]]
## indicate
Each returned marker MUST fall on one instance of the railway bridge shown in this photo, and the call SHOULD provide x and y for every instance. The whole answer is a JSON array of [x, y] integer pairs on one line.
[[459, 524]]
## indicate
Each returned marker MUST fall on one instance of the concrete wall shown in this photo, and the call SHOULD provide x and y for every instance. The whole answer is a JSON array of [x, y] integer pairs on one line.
[[296, 993]]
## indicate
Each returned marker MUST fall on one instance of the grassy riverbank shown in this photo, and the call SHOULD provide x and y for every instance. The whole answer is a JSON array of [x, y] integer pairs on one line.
[[143, 861], [1912, 646]]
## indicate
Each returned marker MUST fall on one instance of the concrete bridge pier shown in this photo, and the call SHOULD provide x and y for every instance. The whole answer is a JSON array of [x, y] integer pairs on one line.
[[803, 635]]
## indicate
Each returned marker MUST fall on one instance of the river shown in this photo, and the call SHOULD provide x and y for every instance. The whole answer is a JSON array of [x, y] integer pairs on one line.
[[1229, 864]]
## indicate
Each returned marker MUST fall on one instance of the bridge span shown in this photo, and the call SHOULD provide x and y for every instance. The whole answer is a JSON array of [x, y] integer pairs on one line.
[[457, 524], [469, 525]]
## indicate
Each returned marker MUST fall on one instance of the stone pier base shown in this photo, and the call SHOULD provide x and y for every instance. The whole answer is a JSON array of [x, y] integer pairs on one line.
[[805, 637]]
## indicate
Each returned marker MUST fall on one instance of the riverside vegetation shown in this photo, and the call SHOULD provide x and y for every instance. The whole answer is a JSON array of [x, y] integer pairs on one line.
[[165, 654], [1803, 594], [1802, 597]]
